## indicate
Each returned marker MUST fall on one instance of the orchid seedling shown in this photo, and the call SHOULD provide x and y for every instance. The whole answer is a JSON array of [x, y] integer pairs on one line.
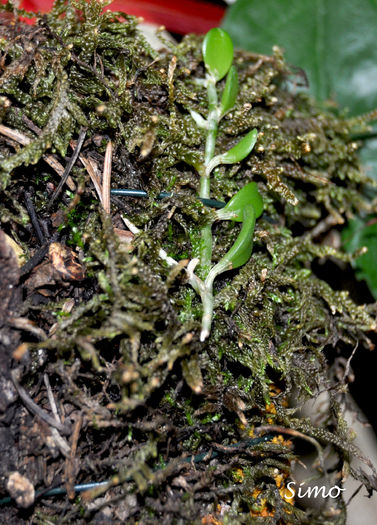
[[247, 205]]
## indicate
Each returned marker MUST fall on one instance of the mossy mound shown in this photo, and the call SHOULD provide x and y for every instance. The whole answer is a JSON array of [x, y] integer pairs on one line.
[[118, 332]]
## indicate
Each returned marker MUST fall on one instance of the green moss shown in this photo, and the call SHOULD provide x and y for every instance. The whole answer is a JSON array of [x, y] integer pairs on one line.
[[274, 318]]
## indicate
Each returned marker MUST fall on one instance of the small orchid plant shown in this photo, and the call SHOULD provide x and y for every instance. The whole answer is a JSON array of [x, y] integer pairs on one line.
[[246, 205]]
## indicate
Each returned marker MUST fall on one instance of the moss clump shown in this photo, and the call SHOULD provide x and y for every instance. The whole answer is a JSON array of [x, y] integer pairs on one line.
[[128, 354]]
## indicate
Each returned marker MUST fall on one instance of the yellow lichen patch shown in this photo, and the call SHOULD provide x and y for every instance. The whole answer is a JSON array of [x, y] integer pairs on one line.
[[210, 519], [280, 440], [274, 390], [287, 495], [214, 519], [238, 475], [251, 432], [280, 480], [270, 409], [241, 425], [260, 507]]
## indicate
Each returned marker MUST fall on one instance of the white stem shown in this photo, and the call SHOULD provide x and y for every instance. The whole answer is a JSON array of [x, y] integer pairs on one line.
[[207, 300], [192, 265], [222, 215], [213, 163], [199, 120], [130, 225], [204, 289], [193, 279]]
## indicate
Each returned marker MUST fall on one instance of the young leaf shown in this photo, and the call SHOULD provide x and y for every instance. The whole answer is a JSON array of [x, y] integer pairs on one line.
[[237, 153], [230, 92], [217, 52], [199, 120], [234, 208], [241, 250]]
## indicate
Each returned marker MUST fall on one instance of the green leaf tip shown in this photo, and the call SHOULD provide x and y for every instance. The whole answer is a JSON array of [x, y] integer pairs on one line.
[[237, 153], [241, 250], [245, 206], [217, 52], [230, 92], [247, 195]]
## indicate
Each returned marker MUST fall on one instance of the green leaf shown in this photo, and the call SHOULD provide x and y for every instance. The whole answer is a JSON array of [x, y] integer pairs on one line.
[[334, 42], [357, 234], [237, 153], [241, 250], [217, 52], [230, 92], [234, 208]]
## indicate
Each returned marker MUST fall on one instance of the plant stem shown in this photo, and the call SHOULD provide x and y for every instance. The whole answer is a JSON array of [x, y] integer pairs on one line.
[[213, 120], [204, 193], [207, 301], [206, 233]]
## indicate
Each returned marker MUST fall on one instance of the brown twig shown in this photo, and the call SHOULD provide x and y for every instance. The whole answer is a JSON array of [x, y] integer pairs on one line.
[[15, 135], [294, 433], [36, 410], [60, 442], [51, 397], [91, 167], [22, 323], [107, 177], [69, 468], [19, 137], [38, 256], [324, 225], [348, 364]]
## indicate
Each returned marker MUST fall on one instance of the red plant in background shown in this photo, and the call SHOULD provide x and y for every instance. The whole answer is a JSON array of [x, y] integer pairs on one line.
[[178, 16]]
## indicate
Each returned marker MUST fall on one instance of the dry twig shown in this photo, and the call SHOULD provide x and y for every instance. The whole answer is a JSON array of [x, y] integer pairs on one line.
[[107, 177], [19, 137]]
